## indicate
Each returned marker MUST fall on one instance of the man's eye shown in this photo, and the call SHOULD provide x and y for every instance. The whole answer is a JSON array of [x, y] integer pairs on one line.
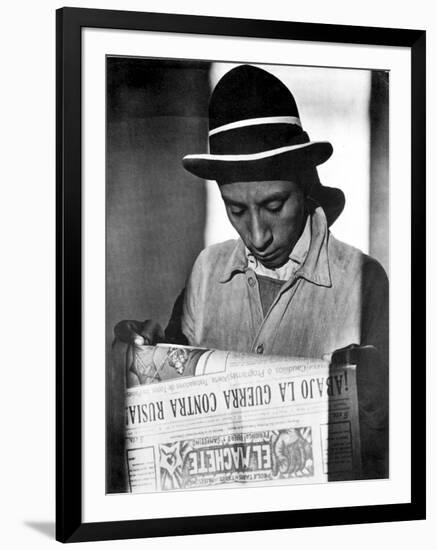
[[274, 206], [235, 211]]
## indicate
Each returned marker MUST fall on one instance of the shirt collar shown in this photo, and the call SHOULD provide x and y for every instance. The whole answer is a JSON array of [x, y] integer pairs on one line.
[[312, 256]]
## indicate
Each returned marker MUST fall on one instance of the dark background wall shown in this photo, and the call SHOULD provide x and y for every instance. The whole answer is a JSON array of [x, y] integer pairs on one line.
[[155, 211], [379, 168], [155, 115]]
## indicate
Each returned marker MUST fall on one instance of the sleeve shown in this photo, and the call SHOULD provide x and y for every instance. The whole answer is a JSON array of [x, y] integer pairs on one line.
[[373, 375], [375, 308], [191, 307], [181, 328], [173, 332]]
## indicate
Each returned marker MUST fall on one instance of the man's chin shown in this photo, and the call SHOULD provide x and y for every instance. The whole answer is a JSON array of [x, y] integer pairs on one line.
[[273, 263]]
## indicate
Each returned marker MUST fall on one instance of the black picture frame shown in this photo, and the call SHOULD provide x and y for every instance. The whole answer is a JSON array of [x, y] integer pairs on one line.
[[69, 524]]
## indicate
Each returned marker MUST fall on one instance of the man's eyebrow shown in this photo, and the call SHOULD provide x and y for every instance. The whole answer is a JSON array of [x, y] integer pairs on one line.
[[277, 196], [232, 202]]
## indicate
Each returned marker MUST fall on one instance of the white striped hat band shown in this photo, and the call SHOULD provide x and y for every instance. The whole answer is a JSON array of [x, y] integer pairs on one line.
[[256, 121]]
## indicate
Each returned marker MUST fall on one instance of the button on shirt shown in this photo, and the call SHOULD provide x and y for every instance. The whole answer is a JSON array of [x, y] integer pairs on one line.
[[335, 297]]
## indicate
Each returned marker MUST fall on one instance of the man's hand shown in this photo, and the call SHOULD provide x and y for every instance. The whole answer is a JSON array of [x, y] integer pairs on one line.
[[372, 389], [372, 377], [147, 333]]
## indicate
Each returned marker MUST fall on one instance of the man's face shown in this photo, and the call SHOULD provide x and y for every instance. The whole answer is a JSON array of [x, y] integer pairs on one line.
[[268, 216]]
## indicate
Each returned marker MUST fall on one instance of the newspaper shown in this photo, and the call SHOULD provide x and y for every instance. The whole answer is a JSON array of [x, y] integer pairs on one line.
[[202, 418]]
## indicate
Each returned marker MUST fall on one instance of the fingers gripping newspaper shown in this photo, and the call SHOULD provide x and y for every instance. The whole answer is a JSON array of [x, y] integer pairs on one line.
[[201, 418]]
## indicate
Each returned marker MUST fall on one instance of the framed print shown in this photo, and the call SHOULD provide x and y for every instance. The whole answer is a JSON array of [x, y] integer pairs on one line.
[[240, 238]]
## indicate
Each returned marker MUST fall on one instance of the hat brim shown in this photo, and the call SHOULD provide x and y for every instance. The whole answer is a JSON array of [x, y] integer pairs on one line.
[[276, 163]]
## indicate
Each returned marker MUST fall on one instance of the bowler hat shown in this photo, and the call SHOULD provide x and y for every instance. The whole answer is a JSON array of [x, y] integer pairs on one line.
[[255, 134]]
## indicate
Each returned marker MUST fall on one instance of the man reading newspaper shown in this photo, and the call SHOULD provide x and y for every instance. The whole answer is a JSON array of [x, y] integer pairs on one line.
[[287, 287]]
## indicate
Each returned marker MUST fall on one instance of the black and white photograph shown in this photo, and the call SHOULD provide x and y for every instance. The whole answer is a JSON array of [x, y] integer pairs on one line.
[[247, 275], [218, 266], [240, 341]]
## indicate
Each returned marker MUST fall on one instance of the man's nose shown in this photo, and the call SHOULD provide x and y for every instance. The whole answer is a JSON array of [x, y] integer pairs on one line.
[[260, 234]]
